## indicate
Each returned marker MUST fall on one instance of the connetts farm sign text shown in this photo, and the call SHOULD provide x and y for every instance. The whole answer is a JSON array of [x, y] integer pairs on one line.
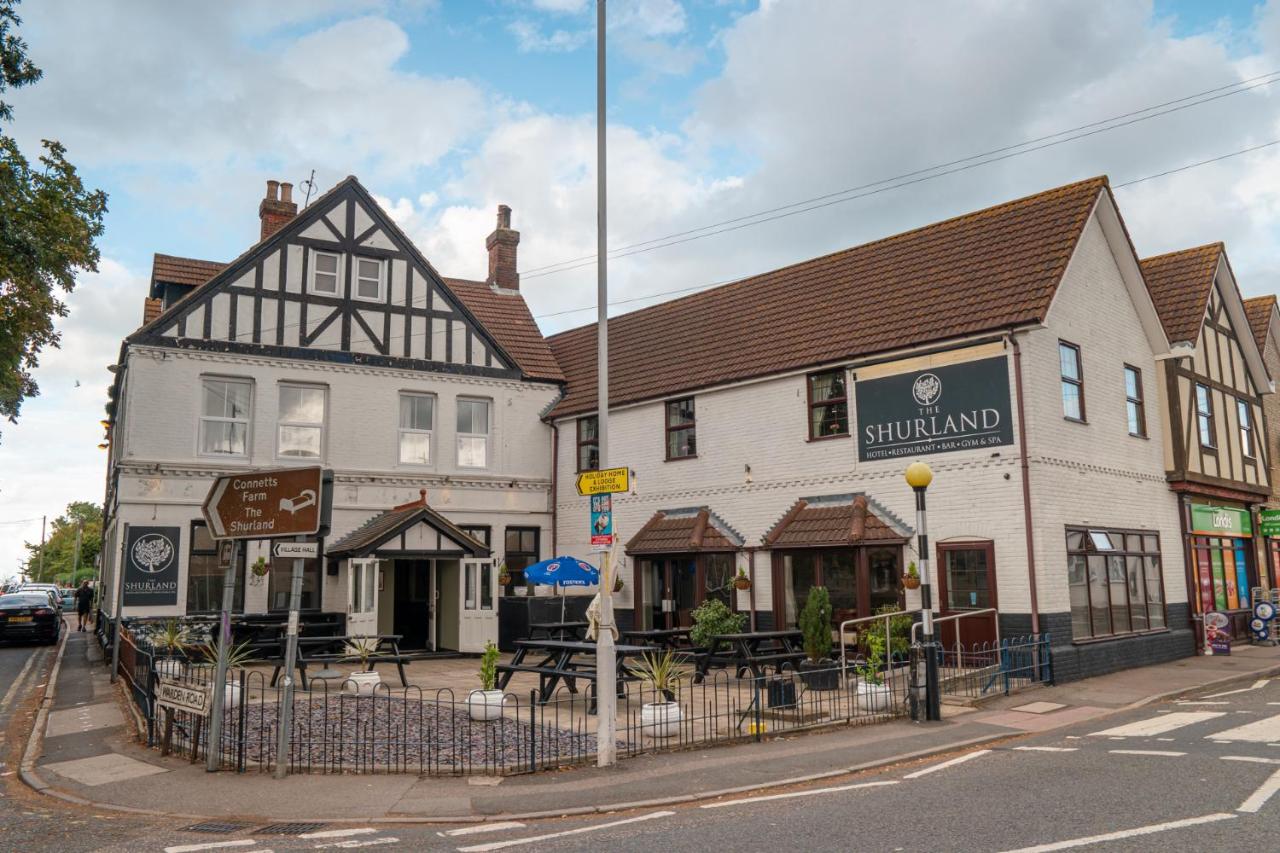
[[938, 410]]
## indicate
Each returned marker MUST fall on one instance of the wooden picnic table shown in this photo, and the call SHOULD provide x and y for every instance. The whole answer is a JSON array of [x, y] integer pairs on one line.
[[751, 651], [574, 631], [325, 650], [560, 660], [667, 638]]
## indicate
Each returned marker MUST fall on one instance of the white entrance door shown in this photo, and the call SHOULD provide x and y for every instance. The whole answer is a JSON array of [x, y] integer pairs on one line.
[[362, 598], [479, 605]]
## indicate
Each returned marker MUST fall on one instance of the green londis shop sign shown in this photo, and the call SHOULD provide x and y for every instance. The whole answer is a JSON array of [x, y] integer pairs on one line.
[[1220, 521], [1269, 522]]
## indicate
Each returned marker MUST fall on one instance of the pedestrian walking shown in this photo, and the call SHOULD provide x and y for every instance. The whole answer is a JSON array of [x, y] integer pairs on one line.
[[84, 603]]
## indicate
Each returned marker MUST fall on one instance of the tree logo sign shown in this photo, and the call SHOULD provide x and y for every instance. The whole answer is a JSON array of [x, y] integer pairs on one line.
[[151, 566]]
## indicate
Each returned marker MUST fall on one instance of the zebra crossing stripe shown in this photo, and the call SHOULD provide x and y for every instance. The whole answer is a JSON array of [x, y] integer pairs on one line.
[[1160, 725], [1262, 731]]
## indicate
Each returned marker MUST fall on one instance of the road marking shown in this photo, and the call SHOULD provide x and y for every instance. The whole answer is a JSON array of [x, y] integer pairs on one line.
[[792, 794], [1259, 798], [1262, 731], [1125, 833], [212, 845], [498, 845], [1167, 752], [353, 843], [1261, 682], [485, 827], [1204, 703], [1253, 759], [1047, 748], [17, 682], [339, 833], [1159, 725], [944, 765]]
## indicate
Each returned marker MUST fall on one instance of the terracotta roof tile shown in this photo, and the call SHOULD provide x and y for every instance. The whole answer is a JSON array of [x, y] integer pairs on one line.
[[835, 521], [1180, 283], [190, 271], [1259, 311], [980, 272], [506, 315], [684, 531], [364, 539]]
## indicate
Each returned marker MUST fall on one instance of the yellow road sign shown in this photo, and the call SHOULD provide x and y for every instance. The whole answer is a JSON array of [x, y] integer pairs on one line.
[[604, 482]]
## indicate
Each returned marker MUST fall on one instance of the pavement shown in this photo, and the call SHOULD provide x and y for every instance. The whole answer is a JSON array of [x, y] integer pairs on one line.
[[83, 751]]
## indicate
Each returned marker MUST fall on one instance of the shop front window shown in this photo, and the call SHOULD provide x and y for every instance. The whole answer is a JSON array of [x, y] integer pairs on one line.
[[859, 581], [1222, 572], [1114, 582]]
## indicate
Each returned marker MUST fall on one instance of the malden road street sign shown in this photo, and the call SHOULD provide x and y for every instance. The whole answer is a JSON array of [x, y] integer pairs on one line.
[[265, 504], [178, 696], [605, 481]]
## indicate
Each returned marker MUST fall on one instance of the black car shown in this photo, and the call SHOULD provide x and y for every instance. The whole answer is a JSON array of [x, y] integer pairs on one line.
[[29, 616]]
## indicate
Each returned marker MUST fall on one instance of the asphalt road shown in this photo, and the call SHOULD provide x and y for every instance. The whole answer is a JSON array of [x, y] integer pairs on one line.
[[1187, 775]]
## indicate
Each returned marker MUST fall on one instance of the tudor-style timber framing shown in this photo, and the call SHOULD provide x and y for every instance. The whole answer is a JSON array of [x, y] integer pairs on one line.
[[263, 303]]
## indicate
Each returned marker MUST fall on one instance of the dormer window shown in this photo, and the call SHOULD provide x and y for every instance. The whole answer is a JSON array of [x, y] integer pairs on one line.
[[324, 273], [369, 279]]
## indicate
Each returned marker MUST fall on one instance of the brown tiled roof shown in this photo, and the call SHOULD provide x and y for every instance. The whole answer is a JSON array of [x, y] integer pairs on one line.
[[1259, 311], [377, 530], [151, 309], [190, 271], [1180, 283], [684, 531], [506, 315], [983, 271], [839, 520]]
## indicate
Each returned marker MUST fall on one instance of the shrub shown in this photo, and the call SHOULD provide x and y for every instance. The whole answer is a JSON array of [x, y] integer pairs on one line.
[[714, 617], [489, 666], [815, 623]]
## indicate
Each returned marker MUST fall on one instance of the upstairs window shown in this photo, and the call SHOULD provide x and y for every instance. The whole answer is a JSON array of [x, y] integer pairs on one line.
[[588, 443], [369, 279], [1245, 415], [1136, 410], [324, 273], [300, 429], [828, 404], [1072, 381], [1204, 416], [682, 438], [224, 417], [473, 433], [417, 419]]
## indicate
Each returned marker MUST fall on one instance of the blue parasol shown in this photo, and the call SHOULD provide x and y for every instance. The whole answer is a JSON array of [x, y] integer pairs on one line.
[[562, 571]]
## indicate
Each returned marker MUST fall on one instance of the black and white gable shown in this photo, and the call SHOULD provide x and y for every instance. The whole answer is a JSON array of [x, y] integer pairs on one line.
[[339, 282]]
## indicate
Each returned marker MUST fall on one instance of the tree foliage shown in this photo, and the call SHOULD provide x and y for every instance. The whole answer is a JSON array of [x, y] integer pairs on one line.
[[49, 223], [59, 548]]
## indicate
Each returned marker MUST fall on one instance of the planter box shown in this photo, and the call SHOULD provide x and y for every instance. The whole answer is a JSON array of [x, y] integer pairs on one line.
[[484, 705], [660, 719], [823, 675], [362, 683]]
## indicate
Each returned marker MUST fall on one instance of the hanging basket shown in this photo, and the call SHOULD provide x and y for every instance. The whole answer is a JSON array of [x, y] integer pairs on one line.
[[910, 582], [617, 583], [742, 582], [260, 568], [504, 580]]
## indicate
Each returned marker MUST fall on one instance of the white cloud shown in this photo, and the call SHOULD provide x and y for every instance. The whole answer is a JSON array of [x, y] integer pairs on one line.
[[531, 39], [572, 7]]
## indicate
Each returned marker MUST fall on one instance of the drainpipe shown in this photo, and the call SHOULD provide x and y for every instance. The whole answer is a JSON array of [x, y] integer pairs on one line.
[[555, 470], [1026, 484]]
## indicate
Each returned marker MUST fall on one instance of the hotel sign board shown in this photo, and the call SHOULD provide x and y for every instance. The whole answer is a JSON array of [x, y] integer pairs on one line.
[[939, 409], [265, 504]]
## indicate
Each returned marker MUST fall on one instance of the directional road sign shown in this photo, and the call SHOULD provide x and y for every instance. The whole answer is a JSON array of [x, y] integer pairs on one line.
[[604, 481], [265, 504]]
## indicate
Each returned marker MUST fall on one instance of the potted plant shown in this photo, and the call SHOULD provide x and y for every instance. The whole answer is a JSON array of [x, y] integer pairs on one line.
[[911, 580], [237, 656], [741, 581], [486, 703], [713, 618], [873, 693], [818, 671], [504, 574], [170, 641], [662, 673], [367, 679]]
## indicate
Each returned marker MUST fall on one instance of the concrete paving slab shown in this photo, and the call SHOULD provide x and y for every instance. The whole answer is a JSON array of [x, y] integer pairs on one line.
[[103, 769], [1038, 722], [85, 718], [1039, 707]]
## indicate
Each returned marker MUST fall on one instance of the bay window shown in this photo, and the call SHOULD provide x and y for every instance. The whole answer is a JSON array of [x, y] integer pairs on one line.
[[1115, 583]]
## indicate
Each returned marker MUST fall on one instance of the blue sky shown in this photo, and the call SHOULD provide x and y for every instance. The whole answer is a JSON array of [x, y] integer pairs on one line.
[[717, 108]]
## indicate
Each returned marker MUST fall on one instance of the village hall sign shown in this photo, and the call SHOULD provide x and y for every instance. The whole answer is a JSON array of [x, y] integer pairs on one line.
[[937, 410]]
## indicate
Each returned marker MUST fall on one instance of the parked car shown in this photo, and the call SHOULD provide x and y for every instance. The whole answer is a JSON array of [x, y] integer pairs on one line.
[[29, 615], [67, 598], [51, 588]]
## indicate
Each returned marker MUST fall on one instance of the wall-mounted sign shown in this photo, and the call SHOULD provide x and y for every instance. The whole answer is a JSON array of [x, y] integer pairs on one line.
[[181, 696], [151, 566], [602, 519], [940, 409], [1220, 521], [1269, 522]]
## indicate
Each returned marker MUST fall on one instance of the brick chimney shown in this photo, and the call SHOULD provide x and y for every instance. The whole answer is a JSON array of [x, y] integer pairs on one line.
[[278, 208], [502, 252]]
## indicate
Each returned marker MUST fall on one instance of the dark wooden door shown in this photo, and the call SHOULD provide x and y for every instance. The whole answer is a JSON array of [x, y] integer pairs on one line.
[[412, 618], [966, 574]]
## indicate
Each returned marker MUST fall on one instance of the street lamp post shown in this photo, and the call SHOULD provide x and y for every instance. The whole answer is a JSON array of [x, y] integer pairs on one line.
[[919, 476]]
